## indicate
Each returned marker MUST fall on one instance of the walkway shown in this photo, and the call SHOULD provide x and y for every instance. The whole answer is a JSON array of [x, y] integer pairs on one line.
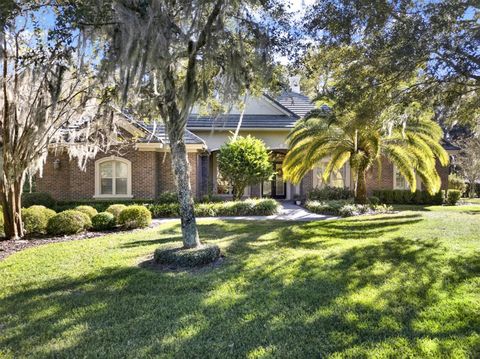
[[288, 212]]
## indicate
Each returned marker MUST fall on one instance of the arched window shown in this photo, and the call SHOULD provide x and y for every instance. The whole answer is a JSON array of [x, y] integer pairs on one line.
[[113, 177]]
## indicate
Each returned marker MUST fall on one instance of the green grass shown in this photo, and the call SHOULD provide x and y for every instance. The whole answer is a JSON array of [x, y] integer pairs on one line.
[[405, 285]]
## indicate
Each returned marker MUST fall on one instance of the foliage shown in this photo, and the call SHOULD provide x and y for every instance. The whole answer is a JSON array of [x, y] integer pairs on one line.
[[249, 207], [345, 208], [167, 197], [68, 222], [468, 162], [35, 219], [407, 197], [378, 269], [135, 217], [38, 198], [453, 196], [373, 200], [101, 205], [244, 161], [103, 221], [115, 210], [408, 138], [177, 256], [329, 193], [456, 182], [88, 210]]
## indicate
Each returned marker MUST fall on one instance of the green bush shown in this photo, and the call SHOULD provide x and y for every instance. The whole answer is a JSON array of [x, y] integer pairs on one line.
[[35, 219], [167, 197], [68, 222], [116, 209], [456, 182], [88, 210], [453, 196], [38, 198], [407, 197], [329, 193], [345, 208], [176, 255], [99, 205], [103, 221], [135, 217], [248, 207], [374, 201]]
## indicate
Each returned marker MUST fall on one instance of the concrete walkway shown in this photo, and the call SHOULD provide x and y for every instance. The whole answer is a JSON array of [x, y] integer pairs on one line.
[[288, 212]]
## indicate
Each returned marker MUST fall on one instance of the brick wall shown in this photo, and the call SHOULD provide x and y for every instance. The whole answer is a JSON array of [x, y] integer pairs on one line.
[[151, 175]]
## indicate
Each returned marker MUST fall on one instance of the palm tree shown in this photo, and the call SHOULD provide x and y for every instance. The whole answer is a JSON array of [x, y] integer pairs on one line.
[[410, 141]]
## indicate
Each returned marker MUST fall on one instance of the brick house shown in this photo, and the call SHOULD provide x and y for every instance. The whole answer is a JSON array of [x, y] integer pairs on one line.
[[142, 169]]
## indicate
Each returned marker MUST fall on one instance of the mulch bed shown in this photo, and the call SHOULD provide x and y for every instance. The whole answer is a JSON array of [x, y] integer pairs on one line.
[[8, 247]]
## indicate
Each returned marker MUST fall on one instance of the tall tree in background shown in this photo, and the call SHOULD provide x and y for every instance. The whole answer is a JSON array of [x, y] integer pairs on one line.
[[47, 98], [401, 37], [165, 56], [468, 162]]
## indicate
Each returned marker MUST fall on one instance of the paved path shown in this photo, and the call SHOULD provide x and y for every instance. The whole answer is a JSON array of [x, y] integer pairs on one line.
[[288, 212]]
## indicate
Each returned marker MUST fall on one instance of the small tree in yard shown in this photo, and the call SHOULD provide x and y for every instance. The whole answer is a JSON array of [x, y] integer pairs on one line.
[[165, 56], [47, 97], [468, 162], [244, 161]]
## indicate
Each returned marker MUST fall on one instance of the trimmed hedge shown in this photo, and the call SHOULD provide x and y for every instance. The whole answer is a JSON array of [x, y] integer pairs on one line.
[[408, 197], [68, 222], [329, 193], [249, 207], [99, 205], [103, 221], [35, 219], [176, 255], [116, 209], [345, 208], [453, 196], [88, 210], [135, 217], [38, 198]]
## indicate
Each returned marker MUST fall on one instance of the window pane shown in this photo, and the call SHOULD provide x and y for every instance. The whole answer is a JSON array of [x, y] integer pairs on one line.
[[106, 186], [121, 170], [106, 170], [121, 186], [336, 179], [400, 181]]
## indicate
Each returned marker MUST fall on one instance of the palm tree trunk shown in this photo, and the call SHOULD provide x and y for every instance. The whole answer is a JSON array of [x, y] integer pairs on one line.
[[181, 170], [361, 191], [11, 197]]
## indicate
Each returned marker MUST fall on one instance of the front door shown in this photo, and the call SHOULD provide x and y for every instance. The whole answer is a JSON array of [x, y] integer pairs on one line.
[[277, 187]]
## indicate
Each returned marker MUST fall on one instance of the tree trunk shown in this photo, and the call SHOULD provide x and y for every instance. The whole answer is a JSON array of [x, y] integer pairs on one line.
[[181, 170], [237, 192], [11, 195], [361, 191]]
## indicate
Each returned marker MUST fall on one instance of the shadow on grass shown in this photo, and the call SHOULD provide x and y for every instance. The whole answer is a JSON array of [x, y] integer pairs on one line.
[[261, 302]]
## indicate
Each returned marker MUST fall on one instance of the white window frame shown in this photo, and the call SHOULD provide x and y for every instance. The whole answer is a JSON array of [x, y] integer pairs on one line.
[[395, 186], [98, 179]]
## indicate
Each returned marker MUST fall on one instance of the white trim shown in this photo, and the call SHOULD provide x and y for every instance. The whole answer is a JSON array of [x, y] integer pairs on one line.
[[97, 178], [395, 172]]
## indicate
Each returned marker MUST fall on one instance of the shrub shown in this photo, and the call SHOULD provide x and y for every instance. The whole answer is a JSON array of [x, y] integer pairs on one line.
[[167, 197], [244, 161], [115, 210], [453, 196], [35, 219], [88, 210], [176, 255], [407, 197], [345, 208], [103, 221], [38, 198], [374, 201], [456, 182], [68, 222], [164, 210], [329, 193], [135, 217], [327, 207]]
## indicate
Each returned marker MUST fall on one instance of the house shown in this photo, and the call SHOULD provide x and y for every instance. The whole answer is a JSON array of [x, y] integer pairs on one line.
[[141, 168]]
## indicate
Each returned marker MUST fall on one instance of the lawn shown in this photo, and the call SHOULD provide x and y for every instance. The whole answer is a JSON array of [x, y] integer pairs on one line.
[[404, 285]]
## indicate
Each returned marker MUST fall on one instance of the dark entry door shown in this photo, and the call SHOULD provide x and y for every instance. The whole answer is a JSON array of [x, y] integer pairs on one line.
[[277, 187]]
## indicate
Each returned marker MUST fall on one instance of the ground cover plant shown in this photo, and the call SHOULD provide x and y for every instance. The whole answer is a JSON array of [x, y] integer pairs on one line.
[[379, 286]]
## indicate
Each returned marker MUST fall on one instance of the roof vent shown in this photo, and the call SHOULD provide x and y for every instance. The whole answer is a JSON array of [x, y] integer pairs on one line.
[[295, 84]]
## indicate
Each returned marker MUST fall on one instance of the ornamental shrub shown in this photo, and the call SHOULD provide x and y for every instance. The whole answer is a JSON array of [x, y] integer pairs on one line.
[[407, 197], [456, 182], [116, 209], [244, 161], [68, 222], [38, 198], [103, 221], [167, 197], [88, 210], [35, 219], [329, 193], [135, 217], [453, 196]]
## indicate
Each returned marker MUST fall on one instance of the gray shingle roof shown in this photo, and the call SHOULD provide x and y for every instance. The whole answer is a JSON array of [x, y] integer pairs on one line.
[[249, 121], [156, 133], [297, 103]]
